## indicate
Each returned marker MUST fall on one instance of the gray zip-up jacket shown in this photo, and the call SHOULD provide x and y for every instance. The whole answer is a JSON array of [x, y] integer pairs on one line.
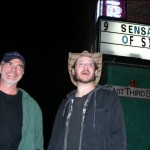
[[102, 126]]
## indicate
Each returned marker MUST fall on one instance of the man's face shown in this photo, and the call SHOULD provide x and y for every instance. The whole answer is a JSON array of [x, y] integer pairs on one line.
[[84, 70], [12, 71]]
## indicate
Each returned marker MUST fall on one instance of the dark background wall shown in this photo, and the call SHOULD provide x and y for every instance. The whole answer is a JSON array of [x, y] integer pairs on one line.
[[44, 32], [138, 11]]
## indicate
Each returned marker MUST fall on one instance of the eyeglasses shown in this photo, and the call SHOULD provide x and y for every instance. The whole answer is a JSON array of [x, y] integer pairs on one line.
[[82, 64]]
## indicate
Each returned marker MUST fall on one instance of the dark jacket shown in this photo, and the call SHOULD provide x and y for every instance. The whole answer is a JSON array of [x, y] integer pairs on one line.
[[103, 126]]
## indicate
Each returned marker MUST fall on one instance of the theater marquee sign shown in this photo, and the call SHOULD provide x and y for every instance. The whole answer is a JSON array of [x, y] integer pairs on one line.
[[125, 39], [130, 92]]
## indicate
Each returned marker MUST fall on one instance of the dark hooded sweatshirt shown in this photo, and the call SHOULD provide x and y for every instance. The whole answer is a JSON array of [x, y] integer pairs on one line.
[[102, 123]]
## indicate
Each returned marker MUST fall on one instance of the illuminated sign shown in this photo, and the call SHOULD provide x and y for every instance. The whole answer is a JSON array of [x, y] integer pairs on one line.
[[130, 92], [112, 8], [125, 39]]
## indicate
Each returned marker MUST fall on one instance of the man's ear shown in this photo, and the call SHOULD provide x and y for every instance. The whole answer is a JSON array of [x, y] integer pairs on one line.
[[72, 71], [95, 72]]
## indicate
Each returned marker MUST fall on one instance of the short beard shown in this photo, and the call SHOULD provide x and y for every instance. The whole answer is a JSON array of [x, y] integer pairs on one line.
[[76, 79]]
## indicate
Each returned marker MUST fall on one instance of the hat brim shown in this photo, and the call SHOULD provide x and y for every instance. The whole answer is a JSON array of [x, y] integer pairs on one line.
[[97, 57]]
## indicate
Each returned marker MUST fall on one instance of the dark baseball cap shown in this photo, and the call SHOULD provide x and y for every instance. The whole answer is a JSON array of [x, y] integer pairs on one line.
[[13, 55]]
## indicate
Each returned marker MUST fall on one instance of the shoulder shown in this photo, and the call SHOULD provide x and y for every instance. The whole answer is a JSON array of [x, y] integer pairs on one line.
[[105, 90], [107, 95], [28, 99]]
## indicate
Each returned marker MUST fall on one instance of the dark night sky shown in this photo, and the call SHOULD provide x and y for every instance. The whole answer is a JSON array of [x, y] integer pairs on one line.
[[44, 34]]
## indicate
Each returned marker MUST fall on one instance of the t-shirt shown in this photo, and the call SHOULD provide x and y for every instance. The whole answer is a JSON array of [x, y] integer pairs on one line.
[[75, 123], [10, 120]]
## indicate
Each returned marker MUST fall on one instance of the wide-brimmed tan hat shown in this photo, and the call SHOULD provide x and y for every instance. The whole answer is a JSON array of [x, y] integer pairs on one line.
[[96, 56]]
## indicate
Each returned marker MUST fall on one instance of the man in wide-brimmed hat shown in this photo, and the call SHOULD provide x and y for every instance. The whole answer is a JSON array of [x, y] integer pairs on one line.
[[91, 117], [96, 59]]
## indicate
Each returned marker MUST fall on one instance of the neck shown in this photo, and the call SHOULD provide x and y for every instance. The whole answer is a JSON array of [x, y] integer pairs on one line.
[[83, 89], [9, 89]]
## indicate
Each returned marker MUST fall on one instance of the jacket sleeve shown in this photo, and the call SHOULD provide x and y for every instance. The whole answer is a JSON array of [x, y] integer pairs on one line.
[[39, 140], [117, 125], [32, 127]]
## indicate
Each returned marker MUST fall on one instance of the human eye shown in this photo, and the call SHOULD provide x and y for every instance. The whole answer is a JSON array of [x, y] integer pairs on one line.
[[91, 65], [9, 63], [81, 64], [20, 67]]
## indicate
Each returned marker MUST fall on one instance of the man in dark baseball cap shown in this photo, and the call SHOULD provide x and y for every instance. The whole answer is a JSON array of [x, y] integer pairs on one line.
[[21, 118], [13, 55]]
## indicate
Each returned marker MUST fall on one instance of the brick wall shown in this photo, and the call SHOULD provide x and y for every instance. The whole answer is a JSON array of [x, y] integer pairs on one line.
[[138, 11]]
